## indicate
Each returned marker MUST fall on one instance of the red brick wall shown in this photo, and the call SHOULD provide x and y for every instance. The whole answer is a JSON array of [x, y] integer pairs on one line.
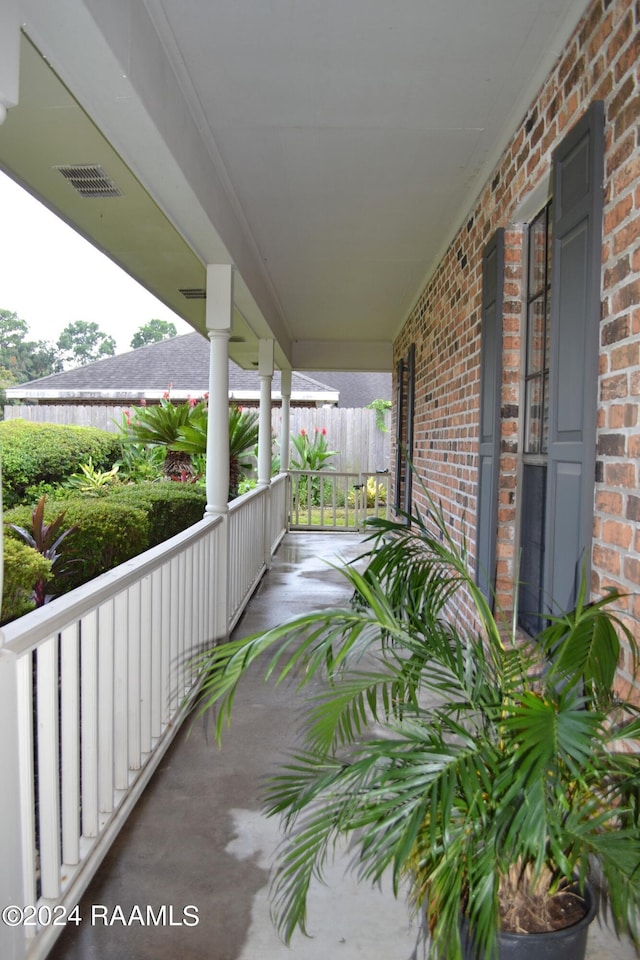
[[600, 62]]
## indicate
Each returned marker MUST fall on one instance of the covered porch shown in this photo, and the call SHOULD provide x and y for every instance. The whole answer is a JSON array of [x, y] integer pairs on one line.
[[197, 839]]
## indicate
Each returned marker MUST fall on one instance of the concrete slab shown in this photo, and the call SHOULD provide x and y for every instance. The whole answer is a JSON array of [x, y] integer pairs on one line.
[[197, 847]]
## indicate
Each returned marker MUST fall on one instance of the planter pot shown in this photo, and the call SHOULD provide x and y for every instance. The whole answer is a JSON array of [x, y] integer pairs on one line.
[[569, 943]]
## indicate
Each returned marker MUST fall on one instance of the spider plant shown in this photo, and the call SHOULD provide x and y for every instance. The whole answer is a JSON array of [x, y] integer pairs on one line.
[[486, 771]]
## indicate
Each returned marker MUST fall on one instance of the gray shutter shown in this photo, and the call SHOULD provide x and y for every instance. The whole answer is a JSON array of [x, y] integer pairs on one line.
[[490, 392], [573, 366]]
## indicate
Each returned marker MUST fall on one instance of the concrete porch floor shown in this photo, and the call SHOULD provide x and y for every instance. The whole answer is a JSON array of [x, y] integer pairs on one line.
[[197, 838]]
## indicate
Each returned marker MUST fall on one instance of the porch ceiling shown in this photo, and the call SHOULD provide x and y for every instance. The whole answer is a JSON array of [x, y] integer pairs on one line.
[[329, 150]]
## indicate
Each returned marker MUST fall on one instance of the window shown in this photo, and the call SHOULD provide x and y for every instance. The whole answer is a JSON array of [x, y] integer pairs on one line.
[[536, 426], [404, 429], [560, 384]]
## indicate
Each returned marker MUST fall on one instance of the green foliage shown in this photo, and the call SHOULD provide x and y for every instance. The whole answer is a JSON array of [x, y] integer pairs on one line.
[[311, 454], [161, 425], [82, 342], [35, 453], [243, 436], [376, 493], [47, 539], [482, 770], [380, 407], [107, 534], [91, 481], [152, 332], [23, 568], [22, 359], [170, 507]]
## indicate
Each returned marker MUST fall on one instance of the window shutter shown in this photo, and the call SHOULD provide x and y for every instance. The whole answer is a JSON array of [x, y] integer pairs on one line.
[[490, 392], [405, 400], [573, 368]]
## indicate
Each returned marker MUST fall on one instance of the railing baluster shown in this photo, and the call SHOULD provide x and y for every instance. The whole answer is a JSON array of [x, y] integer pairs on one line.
[[89, 724], [70, 742], [105, 707], [48, 766], [134, 634], [146, 665], [120, 693], [24, 677]]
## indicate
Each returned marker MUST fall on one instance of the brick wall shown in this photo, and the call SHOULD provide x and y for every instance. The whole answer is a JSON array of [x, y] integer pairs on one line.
[[600, 62]]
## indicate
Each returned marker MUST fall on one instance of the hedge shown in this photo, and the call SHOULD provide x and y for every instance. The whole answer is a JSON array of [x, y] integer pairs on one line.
[[170, 506], [23, 566], [36, 453], [107, 535]]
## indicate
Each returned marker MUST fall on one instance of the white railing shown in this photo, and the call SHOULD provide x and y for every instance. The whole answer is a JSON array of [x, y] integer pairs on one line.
[[278, 512], [93, 687], [328, 500]]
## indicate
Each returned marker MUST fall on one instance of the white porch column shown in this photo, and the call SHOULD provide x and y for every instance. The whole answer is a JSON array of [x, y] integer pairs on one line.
[[285, 428], [218, 319], [265, 372], [9, 55]]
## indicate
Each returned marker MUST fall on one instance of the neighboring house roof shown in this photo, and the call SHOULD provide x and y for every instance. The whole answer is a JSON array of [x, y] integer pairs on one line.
[[358, 389], [180, 365]]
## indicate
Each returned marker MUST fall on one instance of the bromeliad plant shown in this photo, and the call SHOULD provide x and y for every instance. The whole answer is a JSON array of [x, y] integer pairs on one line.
[[47, 539], [486, 772]]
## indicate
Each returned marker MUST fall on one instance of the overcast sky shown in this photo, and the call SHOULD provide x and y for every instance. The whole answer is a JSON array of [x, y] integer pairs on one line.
[[50, 276]]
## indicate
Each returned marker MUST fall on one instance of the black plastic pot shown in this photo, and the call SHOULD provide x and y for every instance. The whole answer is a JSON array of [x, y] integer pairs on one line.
[[570, 943]]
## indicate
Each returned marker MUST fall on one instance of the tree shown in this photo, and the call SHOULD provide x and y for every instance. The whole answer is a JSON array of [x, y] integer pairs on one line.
[[22, 359], [82, 342], [153, 332]]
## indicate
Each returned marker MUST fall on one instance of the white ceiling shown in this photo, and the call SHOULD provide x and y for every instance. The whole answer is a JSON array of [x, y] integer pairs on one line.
[[329, 149]]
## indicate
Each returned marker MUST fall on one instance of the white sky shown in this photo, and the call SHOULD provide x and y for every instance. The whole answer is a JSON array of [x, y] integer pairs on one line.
[[50, 276]]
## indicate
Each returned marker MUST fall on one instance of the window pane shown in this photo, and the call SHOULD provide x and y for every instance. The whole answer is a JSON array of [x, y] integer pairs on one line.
[[536, 346], [530, 594], [537, 255], [534, 414]]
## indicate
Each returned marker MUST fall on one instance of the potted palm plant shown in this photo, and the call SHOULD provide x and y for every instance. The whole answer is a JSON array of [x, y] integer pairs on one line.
[[495, 776]]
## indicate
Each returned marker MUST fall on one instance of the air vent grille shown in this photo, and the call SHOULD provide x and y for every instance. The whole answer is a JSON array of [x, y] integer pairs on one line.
[[90, 180], [193, 293]]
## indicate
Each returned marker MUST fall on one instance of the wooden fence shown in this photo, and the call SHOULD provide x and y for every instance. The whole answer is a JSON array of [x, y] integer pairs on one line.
[[360, 444]]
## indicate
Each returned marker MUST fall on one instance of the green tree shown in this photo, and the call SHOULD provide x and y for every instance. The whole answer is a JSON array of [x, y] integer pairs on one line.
[[153, 332], [82, 342], [22, 359]]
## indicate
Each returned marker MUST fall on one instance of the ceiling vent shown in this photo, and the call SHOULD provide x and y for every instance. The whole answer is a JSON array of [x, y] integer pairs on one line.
[[193, 293], [90, 180]]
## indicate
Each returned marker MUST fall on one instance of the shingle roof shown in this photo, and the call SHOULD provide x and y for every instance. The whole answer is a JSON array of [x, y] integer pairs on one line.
[[180, 364]]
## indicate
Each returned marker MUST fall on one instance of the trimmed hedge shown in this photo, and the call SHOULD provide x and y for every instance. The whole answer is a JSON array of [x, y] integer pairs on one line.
[[112, 528], [171, 507], [36, 453], [107, 535], [23, 566]]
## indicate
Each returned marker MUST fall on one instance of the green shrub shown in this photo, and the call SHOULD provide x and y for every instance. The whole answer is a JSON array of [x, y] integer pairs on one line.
[[170, 507], [23, 567], [108, 533], [48, 453]]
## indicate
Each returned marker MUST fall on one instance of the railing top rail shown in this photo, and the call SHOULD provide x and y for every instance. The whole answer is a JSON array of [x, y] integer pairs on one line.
[[27, 632], [239, 502]]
